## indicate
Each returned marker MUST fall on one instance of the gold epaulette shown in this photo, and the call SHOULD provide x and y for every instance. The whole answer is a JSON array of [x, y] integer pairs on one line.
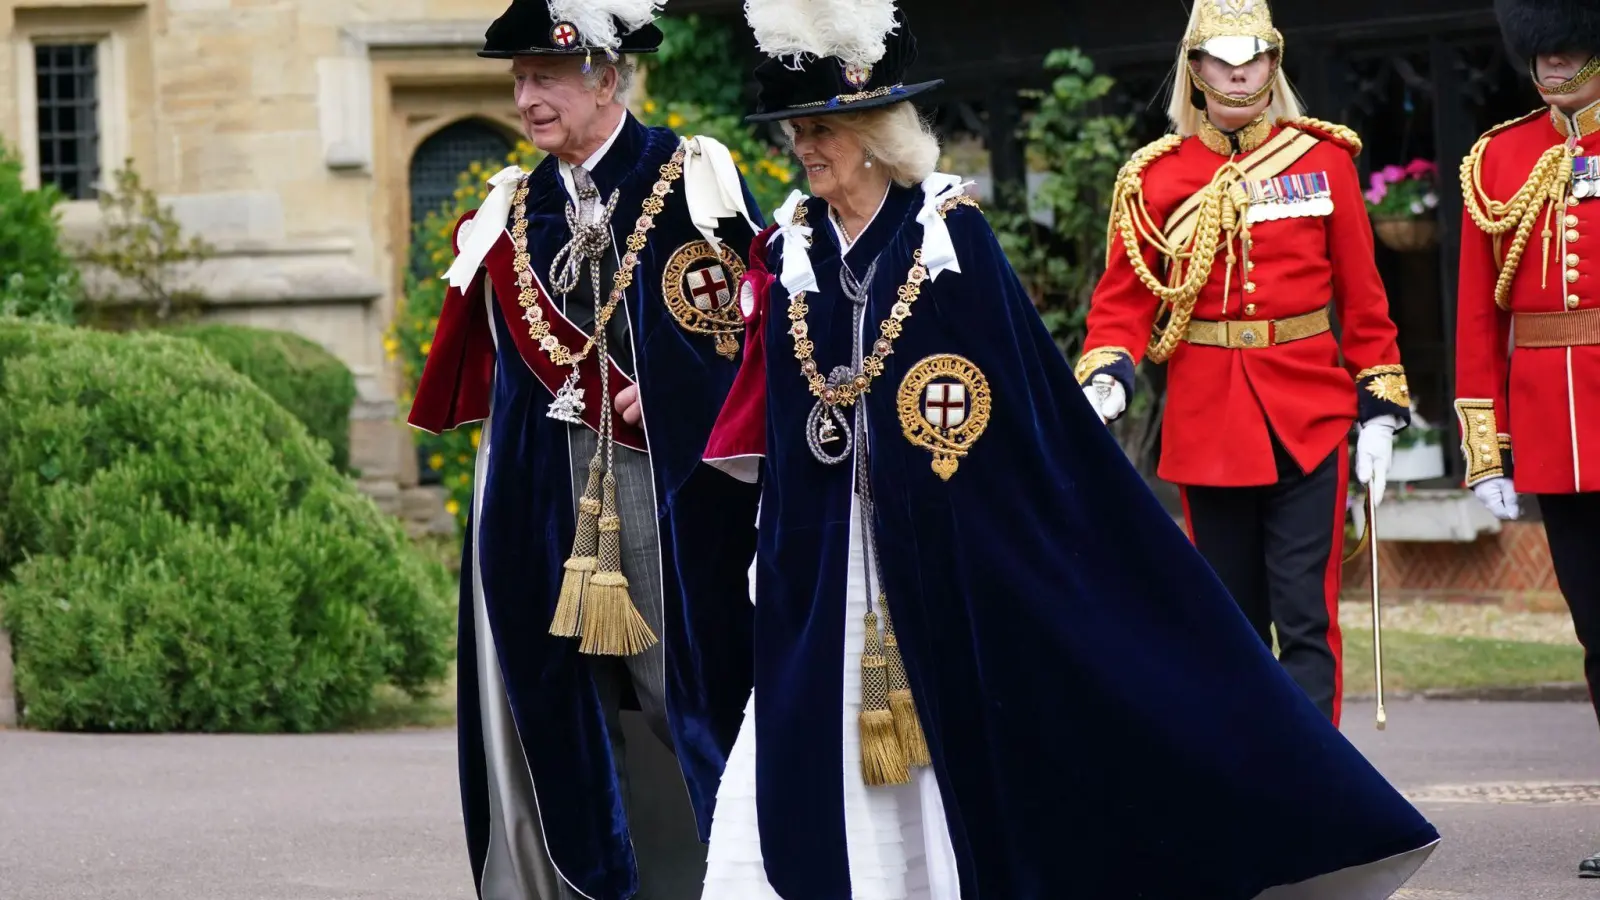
[[1517, 216], [1341, 133], [962, 199]]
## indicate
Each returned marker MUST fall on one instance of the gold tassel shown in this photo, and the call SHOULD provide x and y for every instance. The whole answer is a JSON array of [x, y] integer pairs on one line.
[[907, 727], [882, 759], [612, 625], [580, 567]]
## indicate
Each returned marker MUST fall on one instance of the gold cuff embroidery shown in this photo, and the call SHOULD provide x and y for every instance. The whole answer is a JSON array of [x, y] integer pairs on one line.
[[1387, 383], [1094, 360], [1481, 440]]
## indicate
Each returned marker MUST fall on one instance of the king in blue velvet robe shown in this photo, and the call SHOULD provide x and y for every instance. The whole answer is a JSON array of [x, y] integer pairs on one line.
[[527, 522], [1102, 721]]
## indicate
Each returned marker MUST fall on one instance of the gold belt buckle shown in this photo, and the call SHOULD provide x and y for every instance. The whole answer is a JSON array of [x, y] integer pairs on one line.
[[1244, 335]]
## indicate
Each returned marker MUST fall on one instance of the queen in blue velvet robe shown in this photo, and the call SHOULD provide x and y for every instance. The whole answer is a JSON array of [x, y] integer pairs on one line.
[[1102, 722], [485, 367]]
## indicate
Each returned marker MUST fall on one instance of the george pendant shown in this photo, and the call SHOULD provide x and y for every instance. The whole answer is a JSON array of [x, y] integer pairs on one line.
[[826, 427], [568, 403]]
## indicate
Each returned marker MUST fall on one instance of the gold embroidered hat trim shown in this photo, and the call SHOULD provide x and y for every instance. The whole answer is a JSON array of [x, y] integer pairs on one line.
[[1235, 32], [1228, 143]]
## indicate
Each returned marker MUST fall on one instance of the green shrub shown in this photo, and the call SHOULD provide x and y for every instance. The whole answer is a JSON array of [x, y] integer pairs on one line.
[[40, 281], [180, 555], [303, 377]]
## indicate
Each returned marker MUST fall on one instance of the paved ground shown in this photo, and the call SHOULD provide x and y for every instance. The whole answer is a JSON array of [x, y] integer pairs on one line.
[[374, 817]]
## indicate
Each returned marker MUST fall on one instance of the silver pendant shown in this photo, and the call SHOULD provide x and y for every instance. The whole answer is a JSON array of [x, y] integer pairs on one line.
[[568, 403], [827, 427]]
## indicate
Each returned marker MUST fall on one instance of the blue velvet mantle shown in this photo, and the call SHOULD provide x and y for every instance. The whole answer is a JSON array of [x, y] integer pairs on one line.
[[1103, 722], [526, 531]]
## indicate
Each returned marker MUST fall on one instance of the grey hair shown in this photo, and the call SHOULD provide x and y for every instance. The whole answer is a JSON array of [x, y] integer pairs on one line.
[[898, 138], [626, 68]]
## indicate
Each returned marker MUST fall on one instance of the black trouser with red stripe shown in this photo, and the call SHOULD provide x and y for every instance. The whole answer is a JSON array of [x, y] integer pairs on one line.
[[1278, 548], [1572, 525]]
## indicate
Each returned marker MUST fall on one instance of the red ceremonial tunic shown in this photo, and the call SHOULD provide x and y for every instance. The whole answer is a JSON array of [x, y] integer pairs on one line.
[[1224, 404], [1542, 403]]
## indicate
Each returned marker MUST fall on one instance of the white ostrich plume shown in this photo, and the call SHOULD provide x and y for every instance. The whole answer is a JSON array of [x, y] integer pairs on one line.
[[852, 30], [593, 18]]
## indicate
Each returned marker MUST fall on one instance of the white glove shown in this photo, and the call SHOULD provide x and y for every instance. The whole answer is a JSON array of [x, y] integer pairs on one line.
[[1374, 452], [1499, 496], [1106, 396]]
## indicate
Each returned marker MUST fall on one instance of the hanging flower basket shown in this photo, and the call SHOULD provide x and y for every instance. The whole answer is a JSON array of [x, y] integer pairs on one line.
[[1402, 200], [1407, 235]]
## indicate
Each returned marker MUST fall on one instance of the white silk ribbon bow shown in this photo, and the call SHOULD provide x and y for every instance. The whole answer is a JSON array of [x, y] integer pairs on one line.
[[712, 187], [479, 234], [938, 250], [797, 273]]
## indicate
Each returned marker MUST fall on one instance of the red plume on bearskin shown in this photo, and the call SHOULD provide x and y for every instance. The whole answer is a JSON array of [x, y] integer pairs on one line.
[[1533, 27]]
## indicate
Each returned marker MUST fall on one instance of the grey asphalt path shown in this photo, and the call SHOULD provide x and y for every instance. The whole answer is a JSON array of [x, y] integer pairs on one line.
[[1479, 772], [375, 817]]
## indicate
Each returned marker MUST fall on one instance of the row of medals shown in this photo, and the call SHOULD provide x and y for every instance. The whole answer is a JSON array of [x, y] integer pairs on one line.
[[1585, 177]]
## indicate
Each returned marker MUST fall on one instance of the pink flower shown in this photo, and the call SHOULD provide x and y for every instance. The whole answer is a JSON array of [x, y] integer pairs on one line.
[[1378, 182], [1378, 192], [1393, 173], [1421, 168]]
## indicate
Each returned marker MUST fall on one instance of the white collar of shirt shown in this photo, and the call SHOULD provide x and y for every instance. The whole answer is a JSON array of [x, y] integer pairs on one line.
[[591, 162], [845, 244]]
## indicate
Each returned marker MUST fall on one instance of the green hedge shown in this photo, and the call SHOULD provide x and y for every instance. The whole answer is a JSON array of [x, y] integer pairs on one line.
[[176, 553], [37, 279], [304, 378]]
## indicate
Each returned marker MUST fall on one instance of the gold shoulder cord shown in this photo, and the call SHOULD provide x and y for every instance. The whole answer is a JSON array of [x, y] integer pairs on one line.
[[1342, 132], [1189, 267], [1545, 190]]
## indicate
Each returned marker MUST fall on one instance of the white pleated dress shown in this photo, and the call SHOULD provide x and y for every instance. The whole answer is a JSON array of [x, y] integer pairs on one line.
[[896, 837]]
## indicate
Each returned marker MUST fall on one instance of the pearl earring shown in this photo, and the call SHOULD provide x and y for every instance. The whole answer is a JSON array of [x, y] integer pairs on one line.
[[870, 158]]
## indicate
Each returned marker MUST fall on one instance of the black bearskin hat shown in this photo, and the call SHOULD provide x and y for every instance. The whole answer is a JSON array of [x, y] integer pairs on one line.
[[1535, 27]]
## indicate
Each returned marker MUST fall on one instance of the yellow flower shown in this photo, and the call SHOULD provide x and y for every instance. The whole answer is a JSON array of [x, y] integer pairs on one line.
[[475, 169], [650, 107], [463, 478], [433, 324], [477, 434], [744, 169], [453, 508], [391, 347], [427, 347], [737, 156], [674, 121], [463, 459], [436, 462]]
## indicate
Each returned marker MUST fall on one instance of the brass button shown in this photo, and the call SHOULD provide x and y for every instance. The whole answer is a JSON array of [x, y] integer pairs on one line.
[[1482, 417], [1572, 275], [1249, 309], [1571, 221], [1486, 448], [1251, 266], [1250, 286], [1572, 236], [1572, 201], [1572, 260], [1483, 429], [1573, 301]]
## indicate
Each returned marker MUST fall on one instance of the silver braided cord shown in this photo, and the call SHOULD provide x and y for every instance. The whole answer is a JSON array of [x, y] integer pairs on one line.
[[590, 240]]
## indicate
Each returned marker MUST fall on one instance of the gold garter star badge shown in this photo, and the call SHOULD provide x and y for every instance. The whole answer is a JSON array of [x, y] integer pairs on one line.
[[944, 405]]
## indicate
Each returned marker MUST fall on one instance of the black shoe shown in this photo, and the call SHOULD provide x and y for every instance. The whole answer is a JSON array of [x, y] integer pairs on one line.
[[1590, 868]]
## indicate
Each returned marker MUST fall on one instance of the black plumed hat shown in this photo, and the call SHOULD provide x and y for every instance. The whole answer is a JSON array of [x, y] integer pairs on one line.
[[866, 69], [572, 28]]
